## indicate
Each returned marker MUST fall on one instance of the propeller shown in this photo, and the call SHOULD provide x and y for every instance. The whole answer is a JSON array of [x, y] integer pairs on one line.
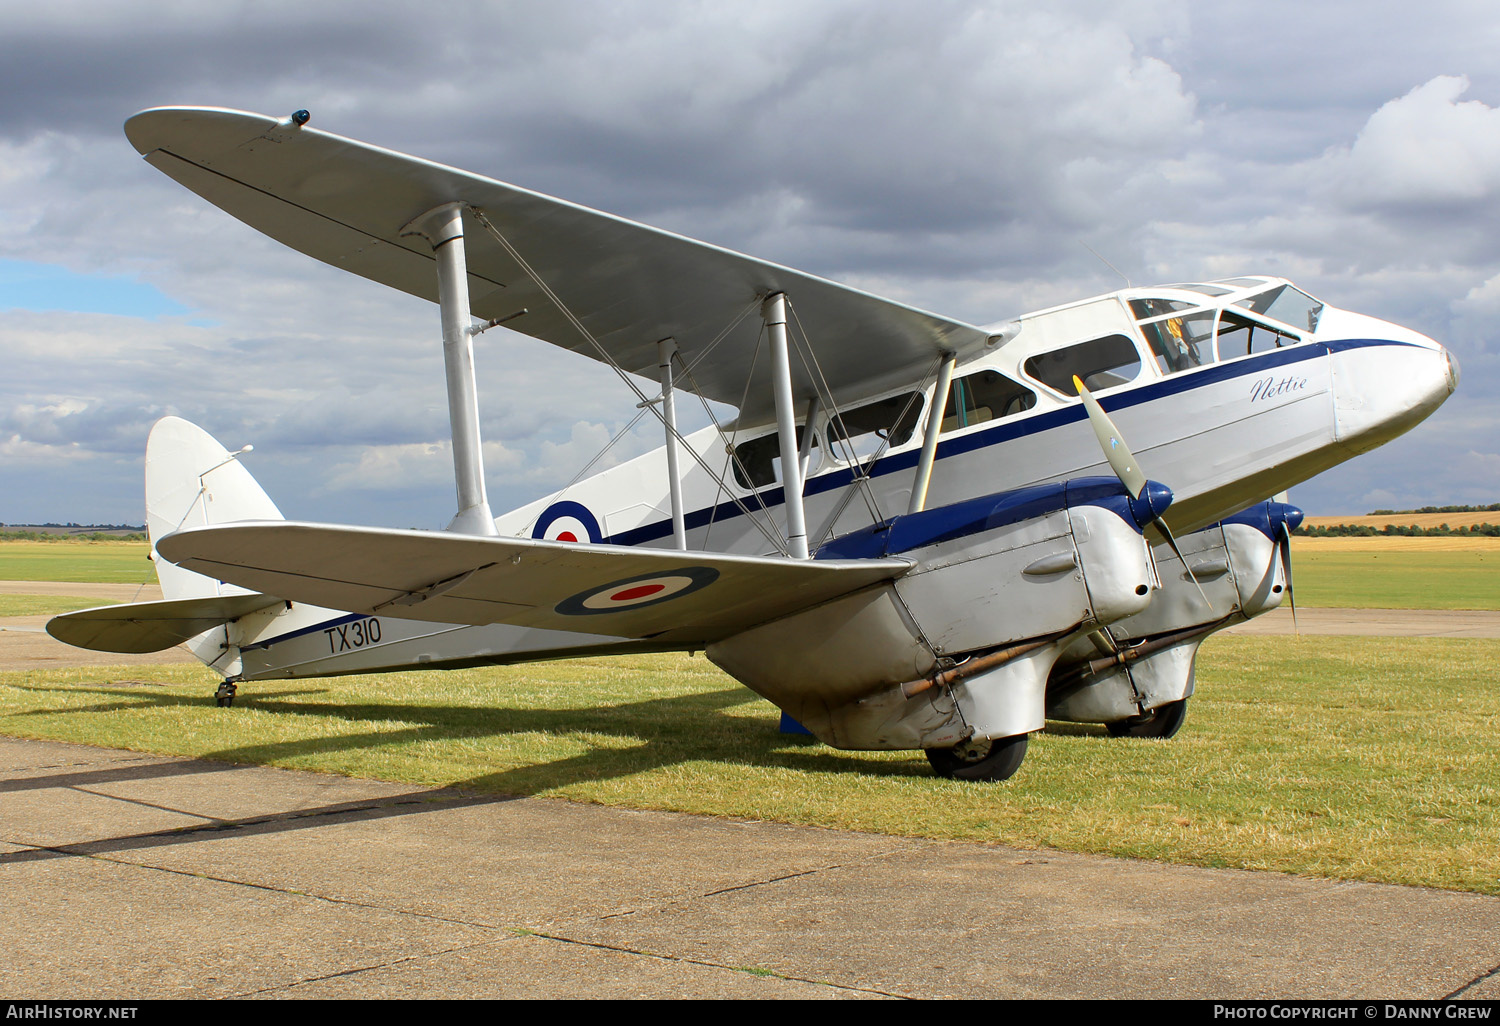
[[1147, 503], [1287, 519]]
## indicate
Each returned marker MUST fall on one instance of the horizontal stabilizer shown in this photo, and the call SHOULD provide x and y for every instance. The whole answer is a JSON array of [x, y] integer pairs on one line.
[[138, 627], [671, 596]]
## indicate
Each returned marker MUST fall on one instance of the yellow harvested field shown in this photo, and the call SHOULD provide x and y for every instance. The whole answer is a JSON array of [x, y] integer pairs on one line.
[[1410, 520], [1481, 544]]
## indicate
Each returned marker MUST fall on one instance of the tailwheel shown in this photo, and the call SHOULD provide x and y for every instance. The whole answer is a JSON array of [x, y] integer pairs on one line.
[[980, 760], [1162, 722], [225, 695]]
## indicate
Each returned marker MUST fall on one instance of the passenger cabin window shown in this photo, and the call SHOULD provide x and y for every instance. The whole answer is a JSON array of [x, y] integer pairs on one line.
[[1240, 336], [860, 433], [757, 463], [1100, 363], [986, 395]]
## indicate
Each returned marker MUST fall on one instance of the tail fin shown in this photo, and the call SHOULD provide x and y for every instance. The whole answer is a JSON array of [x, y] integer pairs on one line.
[[193, 481]]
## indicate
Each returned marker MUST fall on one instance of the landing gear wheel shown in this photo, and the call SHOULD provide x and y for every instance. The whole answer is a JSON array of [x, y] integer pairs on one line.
[[1162, 722], [980, 760], [225, 695]]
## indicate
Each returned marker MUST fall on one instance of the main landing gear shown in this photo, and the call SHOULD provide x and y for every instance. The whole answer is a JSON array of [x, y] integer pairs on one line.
[[1162, 722], [980, 760], [225, 695]]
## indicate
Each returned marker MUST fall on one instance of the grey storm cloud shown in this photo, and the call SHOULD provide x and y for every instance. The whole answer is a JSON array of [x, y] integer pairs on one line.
[[953, 158]]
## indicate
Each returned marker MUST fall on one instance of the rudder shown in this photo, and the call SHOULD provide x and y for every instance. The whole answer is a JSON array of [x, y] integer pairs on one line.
[[192, 481]]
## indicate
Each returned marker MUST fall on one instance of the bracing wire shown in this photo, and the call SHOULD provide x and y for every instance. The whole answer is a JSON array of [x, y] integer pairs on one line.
[[605, 356]]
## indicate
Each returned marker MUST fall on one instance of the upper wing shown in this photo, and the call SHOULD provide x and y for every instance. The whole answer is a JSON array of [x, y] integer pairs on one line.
[[346, 203], [686, 598], [137, 627]]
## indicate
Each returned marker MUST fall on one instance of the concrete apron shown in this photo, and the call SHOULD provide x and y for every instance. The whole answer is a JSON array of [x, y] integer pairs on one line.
[[138, 876]]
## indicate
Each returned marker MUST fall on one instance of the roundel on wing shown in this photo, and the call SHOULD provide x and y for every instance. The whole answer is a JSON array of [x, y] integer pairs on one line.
[[638, 592], [568, 521]]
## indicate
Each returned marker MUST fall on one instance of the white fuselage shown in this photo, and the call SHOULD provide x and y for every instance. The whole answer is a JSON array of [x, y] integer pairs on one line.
[[1222, 429]]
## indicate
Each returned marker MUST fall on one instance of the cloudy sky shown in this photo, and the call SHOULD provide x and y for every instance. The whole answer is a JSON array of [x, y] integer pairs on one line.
[[957, 156]]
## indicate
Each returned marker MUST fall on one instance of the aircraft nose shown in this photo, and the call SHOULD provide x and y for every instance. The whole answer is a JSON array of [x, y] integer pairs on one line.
[[1384, 388], [1453, 373]]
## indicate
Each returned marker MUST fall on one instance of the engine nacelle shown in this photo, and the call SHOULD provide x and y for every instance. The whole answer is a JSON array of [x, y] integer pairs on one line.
[[1028, 571], [1146, 661]]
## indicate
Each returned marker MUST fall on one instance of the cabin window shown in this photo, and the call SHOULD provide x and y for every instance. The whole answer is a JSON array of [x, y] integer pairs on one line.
[[1181, 343], [1287, 305], [757, 463], [987, 395], [857, 434], [1101, 363], [1240, 336]]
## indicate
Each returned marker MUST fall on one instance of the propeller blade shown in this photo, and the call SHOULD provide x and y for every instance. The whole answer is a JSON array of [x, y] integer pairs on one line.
[[1167, 534], [1284, 546], [1128, 469], [1121, 460]]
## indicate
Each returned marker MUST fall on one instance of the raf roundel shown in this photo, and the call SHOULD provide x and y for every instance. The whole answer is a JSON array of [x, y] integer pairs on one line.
[[639, 592], [568, 521]]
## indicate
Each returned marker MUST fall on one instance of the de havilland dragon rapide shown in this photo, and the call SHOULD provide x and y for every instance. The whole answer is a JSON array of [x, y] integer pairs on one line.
[[914, 533]]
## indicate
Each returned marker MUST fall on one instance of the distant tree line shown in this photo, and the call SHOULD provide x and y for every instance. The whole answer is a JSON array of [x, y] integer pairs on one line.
[[1401, 530], [84, 527], [97, 536], [1437, 509]]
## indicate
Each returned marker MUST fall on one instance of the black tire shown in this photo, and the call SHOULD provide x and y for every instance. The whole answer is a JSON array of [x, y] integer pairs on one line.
[[1164, 721], [980, 760]]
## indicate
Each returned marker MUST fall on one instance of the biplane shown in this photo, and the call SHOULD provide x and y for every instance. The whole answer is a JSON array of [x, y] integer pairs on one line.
[[913, 533]]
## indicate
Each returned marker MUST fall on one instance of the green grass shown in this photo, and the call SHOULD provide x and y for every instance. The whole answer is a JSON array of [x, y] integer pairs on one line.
[[47, 605], [1357, 758], [108, 562], [1398, 579]]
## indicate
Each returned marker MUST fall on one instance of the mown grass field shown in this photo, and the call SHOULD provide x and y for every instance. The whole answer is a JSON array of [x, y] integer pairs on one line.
[[110, 562], [1397, 573], [1361, 758]]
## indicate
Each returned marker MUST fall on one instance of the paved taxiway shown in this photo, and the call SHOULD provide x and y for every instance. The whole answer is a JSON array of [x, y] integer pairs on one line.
[[138, 876]]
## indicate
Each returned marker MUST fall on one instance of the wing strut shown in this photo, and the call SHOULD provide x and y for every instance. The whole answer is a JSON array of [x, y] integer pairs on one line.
[[773, 312], [930, 440], [666, 349], [443, 228]]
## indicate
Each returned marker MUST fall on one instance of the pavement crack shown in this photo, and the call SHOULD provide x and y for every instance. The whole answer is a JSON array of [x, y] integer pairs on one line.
[[271, 888], [357, 970], [1476, 981], [709, 964]]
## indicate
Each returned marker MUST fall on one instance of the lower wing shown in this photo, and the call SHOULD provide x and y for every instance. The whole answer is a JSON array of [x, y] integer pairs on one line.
[[667, 595]]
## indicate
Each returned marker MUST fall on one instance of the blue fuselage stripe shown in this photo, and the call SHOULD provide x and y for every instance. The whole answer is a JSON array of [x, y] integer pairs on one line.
[[1018, 427]]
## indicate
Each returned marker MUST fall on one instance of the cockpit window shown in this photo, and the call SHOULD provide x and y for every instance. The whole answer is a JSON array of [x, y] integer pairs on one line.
[[1101, 363], [986, 395], [1287, 305], [1240, 336], [1181, 343], [1145, 309], [1207, 290]]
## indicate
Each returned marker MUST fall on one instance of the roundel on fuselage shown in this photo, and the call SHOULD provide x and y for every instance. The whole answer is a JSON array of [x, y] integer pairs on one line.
[[568, 521]]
